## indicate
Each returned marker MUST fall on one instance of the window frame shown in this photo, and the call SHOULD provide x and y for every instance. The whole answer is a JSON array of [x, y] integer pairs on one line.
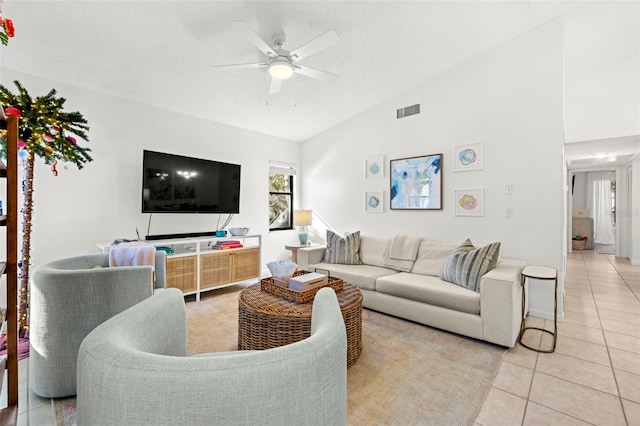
[[290, 194]]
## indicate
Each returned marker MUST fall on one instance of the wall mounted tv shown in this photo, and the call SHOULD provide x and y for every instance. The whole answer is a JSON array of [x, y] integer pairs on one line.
[[177, 184]]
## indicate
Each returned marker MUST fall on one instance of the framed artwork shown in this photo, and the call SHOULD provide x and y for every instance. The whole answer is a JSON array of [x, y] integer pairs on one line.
[[416, 183], [374, 167], [373, 202], [468, 157], [468, 202]]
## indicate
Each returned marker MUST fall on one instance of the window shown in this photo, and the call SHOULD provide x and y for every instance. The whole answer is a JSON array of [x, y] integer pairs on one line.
[[281, 196]]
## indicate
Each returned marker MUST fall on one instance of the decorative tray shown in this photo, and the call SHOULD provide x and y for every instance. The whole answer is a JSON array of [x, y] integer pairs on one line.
[[278, 288]]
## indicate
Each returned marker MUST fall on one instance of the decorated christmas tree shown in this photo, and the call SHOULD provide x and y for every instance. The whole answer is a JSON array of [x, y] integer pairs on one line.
[[48, 132]]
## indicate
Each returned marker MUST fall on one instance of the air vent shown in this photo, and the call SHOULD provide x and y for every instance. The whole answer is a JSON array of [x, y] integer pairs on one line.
[[408, 111]]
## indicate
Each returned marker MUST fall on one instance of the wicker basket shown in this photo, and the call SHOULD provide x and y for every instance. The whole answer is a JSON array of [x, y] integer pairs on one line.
[[304, 296]]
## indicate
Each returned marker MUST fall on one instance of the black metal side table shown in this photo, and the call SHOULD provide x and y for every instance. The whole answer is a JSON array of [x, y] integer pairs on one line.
[[540, 273]]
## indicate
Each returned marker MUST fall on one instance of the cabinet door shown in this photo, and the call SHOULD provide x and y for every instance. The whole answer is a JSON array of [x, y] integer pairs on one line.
[[246, 264], [215, 269], [189, 271], [181, 273]]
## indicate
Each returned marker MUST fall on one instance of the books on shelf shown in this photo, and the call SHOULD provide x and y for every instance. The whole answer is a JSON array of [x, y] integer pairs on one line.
[[226, 244]]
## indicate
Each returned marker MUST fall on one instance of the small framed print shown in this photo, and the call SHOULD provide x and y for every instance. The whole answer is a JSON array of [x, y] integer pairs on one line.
[[468, 202], [468, 157], [374, 167], [373, 202]]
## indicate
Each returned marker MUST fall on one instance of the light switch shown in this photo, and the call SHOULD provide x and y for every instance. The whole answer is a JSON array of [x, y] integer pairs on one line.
[[508, 190], [508, 213]]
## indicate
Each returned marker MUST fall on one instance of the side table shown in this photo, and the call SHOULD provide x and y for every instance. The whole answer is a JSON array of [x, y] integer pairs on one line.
[[267, 321], [294, 249], [547, 274]]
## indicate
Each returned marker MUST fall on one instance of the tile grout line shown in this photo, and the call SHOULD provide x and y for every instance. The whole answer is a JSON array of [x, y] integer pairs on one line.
[[604, 335]]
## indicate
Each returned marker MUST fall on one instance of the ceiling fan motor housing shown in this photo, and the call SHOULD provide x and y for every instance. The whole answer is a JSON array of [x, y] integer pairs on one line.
[[278, 41]]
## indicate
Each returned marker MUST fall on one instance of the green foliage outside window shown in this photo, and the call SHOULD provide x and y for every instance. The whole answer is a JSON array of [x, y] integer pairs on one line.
[[280, 201]]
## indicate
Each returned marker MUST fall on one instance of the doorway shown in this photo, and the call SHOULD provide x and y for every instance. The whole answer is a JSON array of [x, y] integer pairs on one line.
[[594, 200]]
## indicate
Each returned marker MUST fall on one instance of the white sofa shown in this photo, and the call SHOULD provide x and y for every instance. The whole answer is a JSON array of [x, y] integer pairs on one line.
[[494, 314]]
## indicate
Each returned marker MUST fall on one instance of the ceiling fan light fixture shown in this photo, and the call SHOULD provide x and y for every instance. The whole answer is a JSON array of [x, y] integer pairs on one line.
[[280, 69]]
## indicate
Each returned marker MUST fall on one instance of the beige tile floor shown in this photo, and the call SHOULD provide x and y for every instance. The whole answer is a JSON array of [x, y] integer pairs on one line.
[[593, 378]]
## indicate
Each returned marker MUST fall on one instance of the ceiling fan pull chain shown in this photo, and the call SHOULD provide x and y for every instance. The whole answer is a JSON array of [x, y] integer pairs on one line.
[[295, 92]]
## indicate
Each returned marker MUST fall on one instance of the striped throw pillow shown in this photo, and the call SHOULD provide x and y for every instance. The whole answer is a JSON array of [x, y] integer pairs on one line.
[[343, 250], [466, 265]]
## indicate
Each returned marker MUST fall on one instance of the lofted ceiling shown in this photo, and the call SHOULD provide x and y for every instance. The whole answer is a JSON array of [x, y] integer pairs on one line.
[[161, 53]]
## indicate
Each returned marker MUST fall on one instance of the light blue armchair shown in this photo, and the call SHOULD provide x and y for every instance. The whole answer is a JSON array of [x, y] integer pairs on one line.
[[69, 298], [133, 370]]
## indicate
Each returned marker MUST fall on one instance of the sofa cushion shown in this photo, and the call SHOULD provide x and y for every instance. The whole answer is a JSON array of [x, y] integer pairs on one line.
[[431, 257], [345, 251], [466, 265], [362, 276], [430, 290], [373, 249]]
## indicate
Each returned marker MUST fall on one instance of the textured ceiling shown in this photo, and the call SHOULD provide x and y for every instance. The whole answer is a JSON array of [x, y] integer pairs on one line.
[[160, 53]]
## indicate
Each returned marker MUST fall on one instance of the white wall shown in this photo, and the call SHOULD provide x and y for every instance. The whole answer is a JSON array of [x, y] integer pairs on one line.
[[634, 186], [77, 209], [603, 65], [580, 191], [603, 103], [511, 100]]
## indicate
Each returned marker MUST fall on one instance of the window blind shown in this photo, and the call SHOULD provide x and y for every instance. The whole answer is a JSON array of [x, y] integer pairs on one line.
[[283, 168]]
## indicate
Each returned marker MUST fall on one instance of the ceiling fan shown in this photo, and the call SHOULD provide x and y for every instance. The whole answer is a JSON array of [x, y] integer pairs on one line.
[[282, 63]]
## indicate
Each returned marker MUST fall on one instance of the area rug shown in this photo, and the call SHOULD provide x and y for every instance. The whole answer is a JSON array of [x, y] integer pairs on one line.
[[407, 373], [606, 248], [65, 411]]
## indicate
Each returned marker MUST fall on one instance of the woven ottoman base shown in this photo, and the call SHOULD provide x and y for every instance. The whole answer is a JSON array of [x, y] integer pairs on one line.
[[267, 321]]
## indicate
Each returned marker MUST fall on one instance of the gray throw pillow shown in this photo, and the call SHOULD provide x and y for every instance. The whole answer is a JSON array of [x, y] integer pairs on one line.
[[343, 250], [466, 265]]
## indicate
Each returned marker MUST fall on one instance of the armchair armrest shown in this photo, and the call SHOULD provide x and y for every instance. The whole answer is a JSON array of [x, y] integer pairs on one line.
[[161, 269], [310, 255]]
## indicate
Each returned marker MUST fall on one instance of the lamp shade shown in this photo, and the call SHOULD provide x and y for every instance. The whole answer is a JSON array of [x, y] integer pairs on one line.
[[302, 217]]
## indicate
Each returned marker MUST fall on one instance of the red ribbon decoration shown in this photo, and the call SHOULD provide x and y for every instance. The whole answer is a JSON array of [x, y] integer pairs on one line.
[[53, 168]]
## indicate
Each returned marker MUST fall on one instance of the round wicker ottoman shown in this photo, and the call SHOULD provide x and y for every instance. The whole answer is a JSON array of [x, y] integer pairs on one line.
[[267, 321]]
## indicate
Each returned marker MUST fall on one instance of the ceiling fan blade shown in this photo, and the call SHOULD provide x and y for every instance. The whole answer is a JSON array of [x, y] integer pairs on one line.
[[240, 66], [317, 74], [275, 85], [319, 43], [254, 38]]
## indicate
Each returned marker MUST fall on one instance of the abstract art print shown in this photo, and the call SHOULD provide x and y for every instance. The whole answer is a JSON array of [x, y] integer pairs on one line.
[[468, 202], [468, 157], [374, 167], [416, 183], [373, 202]]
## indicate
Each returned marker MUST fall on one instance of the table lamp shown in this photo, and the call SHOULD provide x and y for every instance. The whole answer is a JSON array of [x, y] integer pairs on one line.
[[302, 218]]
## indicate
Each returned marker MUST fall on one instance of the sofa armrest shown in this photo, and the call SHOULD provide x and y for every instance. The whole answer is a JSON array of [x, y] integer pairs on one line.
[[501, 302], [310, 255]]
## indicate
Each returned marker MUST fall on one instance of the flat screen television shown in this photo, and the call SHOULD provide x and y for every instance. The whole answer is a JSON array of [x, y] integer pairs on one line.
[[178, 184]]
